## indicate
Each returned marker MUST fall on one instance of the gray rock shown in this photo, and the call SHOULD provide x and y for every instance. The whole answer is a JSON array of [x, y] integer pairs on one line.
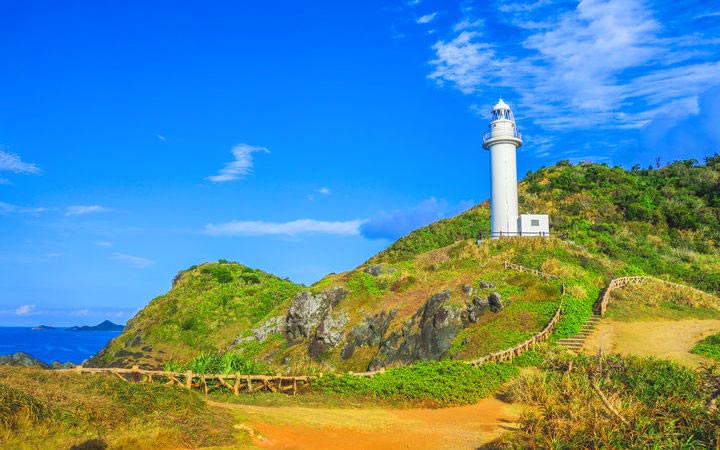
[[467, 289], [495, 301], [377, 270], [307, 311], [21, 359], [369, 332], [271, 326], [427, 335], [487, 285], [328, 334], [65, 365], [477, 308]]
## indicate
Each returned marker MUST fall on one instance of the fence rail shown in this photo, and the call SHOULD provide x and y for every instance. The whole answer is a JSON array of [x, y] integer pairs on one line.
[[519, 268], [509, 354], [236, 383]]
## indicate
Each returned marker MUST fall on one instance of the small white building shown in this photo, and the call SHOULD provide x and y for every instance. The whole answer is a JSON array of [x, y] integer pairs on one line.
[[502, 141], [534, 225]]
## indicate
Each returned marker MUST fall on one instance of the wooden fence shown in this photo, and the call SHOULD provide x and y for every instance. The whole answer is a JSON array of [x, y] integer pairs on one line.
[[519, 268], [509, 354], [601, 304], [235, 383]]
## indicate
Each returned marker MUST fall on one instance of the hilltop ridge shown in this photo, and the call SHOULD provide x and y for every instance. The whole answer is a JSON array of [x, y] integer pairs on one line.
[[435, 294]]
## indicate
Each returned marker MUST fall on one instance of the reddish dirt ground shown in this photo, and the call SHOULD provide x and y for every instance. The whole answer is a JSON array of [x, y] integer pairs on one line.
[[464, 427]]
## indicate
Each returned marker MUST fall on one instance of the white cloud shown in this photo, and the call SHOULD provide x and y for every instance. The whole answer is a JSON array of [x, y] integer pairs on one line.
[[8, 208], [103, 244], [80, 313], [81, 210], [583, 67], [294, 228], [135, 261], [241, 166], [161, 137], [25, 310], [10, 162], [324, 191], [427, 18]]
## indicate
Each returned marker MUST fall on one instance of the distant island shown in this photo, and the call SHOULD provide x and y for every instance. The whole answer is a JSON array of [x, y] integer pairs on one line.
[[104, 326]]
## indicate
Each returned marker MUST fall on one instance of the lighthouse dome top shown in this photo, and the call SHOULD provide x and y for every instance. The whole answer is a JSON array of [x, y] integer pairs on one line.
[[502, 111], [501, 105]]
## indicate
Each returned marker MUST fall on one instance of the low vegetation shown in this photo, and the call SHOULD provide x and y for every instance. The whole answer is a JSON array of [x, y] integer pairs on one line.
[[46, 409], [444, 383], [650, 403], [662, 221], [220, 363], [710, 347], [654, 300]]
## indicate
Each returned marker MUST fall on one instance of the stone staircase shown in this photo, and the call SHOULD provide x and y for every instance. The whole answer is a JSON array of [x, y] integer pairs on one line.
[[576, 342]]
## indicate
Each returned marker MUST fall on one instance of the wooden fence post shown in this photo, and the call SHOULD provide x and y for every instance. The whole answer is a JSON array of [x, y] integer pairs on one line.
[[135, 376], [188, 379]]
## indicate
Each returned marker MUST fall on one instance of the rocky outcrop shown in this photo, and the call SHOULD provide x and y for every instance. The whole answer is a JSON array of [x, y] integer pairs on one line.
[[307, 311], [467, 289], [476, 308], [427, 335], [486, 285], [271, 326], [21, 359], [496, 303], [328, 334], [378, 269], [370, 332]]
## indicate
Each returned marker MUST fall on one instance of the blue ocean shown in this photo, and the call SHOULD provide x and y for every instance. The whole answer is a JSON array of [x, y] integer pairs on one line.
[[54, 345]]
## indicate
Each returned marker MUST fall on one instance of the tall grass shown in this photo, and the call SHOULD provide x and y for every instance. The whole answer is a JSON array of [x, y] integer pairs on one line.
[[219, 363], [45, 409], [664, 405]]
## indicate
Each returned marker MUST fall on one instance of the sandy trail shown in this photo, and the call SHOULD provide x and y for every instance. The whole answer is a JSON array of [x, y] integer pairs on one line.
[[464, 427], [670, 339]]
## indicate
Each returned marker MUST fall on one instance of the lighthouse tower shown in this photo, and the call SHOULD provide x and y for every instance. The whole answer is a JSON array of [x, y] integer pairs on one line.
[[502, 140]]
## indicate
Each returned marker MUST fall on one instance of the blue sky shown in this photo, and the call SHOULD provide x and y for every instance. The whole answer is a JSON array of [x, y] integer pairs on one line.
[[139, 138]]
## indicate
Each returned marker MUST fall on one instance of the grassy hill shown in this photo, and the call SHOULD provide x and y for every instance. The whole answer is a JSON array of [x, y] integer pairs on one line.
[[429, 295]]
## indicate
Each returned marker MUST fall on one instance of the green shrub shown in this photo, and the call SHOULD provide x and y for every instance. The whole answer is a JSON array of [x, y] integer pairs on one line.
[[441, 383], [220, 272], [362, 284], [710, 347]]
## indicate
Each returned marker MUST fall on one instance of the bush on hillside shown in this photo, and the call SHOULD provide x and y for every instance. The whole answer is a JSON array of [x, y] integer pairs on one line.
[[664, 405], [442, 383]]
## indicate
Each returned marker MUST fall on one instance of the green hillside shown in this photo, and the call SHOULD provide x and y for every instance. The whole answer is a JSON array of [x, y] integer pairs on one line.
[[436, 294]]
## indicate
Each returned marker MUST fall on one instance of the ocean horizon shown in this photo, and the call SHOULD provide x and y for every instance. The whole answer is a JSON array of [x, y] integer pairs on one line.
[[54, 345]]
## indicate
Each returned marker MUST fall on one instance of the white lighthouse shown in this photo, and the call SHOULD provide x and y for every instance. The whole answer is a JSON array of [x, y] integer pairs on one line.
[[503, 140]]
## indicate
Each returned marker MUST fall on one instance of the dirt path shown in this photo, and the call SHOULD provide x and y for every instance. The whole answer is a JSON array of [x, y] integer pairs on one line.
[[671, 339], [464, 427]]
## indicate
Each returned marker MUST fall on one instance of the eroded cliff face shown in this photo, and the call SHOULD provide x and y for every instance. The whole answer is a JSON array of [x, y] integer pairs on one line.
[[318, 323]]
